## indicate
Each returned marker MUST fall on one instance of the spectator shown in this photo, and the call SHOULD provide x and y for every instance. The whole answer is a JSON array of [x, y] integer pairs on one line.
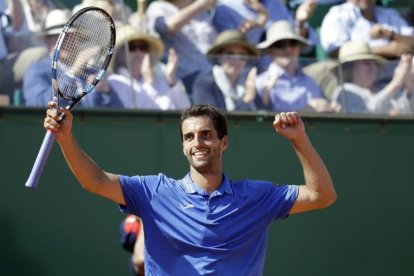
[[284, 86], [230, 85], [384, 29], [139, 78], [132, 240], [358, 93], [119, 12], [253, 17], [11, 22], [37, 86], [186, 27], [11, 12]]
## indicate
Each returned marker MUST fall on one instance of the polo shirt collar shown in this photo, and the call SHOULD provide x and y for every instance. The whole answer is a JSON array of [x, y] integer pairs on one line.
[[192, 188]]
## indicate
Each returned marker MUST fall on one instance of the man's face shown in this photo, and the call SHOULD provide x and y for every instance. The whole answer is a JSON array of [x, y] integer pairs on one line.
[[201, 144]]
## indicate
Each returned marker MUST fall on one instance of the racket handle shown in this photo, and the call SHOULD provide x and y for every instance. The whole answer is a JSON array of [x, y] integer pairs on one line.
[[40, 162]]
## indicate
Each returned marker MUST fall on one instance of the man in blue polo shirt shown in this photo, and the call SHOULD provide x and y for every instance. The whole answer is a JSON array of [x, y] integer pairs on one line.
[[204, 223]]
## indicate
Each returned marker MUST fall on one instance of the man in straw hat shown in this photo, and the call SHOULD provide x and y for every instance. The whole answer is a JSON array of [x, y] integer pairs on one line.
[[360, 70], [37, 84], [284, 86], [139, 77], [230, 85]]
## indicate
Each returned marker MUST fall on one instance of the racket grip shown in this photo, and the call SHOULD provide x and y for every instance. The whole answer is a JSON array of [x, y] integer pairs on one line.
[[41, 158]]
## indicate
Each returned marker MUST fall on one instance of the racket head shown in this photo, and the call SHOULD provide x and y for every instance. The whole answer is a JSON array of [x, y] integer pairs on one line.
[[82, 53]]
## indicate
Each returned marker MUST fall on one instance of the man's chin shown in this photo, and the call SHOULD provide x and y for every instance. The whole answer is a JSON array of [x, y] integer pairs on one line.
[[199, 165]]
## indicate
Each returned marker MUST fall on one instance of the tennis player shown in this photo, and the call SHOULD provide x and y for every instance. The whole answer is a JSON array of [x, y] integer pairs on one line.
[[204, 223]]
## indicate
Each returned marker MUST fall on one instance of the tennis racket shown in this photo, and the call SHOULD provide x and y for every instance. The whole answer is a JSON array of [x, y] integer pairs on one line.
[[81, 55]]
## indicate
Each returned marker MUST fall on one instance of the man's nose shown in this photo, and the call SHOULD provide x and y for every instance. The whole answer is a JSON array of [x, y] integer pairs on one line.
[[198, 140]]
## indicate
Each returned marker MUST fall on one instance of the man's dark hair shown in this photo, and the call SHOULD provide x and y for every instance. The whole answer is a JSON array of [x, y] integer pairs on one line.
[[215, 115]]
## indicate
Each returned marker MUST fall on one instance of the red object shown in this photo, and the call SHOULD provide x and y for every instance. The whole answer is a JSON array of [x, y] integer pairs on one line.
[[132, 225]]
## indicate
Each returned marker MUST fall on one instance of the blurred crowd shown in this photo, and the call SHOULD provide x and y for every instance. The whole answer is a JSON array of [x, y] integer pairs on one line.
[[337, 56]]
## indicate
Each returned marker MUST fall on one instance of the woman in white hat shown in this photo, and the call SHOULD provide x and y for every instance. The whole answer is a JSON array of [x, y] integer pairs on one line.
[[360, 69], [139, 77], [284, 86], [230, 85]]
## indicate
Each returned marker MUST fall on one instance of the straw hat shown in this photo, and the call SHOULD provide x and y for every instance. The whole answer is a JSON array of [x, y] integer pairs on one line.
[[281, 30], [128, 33], [354, 51], [55, 21], [231, 38]]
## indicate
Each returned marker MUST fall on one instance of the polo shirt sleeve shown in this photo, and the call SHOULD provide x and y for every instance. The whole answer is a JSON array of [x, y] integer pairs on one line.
[[138, 191], [281, 199]]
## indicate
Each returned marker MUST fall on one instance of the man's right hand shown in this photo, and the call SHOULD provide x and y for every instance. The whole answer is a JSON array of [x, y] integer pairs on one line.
[[53, 123]]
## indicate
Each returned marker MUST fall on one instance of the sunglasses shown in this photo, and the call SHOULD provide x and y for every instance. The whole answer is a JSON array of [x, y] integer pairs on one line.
[[138, 45], [232, 55], [283, 44]]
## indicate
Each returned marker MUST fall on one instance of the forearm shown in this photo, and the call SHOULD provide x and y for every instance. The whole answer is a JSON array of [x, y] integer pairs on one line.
[[386, 51], [318, 184], [180, 19]]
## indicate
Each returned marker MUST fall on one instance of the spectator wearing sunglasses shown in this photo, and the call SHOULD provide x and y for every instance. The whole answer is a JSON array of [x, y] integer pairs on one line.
[[138, 76], [284, 86], [230, 85]]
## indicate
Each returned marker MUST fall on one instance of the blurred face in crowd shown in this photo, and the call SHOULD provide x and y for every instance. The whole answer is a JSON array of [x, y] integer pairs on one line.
[[137, 51], [285, 52], [233, 60], [365, 73]]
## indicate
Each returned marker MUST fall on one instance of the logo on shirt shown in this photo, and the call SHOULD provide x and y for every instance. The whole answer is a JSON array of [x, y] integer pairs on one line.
[[185, 206]]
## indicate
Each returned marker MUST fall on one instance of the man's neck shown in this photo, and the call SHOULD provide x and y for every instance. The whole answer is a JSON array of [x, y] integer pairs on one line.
[[207, 181]]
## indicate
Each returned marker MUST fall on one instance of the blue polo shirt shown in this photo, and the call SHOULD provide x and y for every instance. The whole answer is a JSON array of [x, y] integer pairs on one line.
[[191, 232]]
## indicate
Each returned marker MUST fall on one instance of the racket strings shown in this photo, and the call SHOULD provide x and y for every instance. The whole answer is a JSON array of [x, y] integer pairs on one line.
[[83, 52]]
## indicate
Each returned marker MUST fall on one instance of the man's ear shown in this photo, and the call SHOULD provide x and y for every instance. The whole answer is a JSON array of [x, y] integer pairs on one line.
[[225, 143]]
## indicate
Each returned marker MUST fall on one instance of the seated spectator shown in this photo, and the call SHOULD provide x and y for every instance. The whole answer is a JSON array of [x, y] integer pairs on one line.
[[119, 11], [384, 29], [186, 27], [360, 67], [229, 86], [284, 87], [11, 22], [37, 84], [132, 240], [139, 78], [253, 17]]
